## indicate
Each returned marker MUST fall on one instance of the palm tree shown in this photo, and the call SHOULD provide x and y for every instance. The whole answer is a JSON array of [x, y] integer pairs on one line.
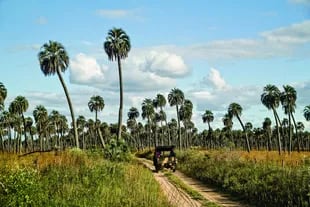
[[267, 129], [235, 110], [160, 102], [81, 123], [117, 47], [19, 106], [96, 103], [148, 113], [41, 117], [186, 112], [208, 117], [288, 100], [133, 114], [271, 99], [176, 98], [307, 112], [53, 59], [3, 94]]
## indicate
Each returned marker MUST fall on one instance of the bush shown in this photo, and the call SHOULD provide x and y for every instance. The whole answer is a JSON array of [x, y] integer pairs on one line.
[[117, 150]]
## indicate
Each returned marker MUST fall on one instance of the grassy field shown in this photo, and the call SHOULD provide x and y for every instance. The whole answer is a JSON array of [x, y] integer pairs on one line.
[[261, 178], [75, 178]]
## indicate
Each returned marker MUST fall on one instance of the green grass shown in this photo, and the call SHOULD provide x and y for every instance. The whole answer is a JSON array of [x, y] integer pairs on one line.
[[76, 179]]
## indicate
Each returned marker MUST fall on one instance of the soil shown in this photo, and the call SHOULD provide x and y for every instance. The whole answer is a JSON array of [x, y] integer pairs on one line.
[[179, 198]]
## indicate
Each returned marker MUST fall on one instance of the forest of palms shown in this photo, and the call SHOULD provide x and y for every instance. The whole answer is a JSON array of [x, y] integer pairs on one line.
[[49, 130]]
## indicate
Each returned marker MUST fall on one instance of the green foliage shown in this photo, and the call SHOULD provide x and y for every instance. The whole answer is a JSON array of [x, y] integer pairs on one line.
[[77, 179], [148, 154], [261, 184], [19, 187], [117, 150]]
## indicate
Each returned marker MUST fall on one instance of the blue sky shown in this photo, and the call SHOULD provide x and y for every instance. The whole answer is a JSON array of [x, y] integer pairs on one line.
[[216, 52]]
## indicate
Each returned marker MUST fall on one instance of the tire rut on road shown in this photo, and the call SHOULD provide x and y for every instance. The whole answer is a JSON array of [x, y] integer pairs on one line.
[[175, 196], [184, 200]]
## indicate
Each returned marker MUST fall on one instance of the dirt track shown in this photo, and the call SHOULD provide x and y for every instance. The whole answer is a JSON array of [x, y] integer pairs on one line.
[[179, 198]]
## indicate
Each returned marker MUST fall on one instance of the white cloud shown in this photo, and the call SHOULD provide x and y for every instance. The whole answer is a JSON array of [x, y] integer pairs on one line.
[[86, 70], [300, 1], [162, 63], [215, 79], [293, 34], [280, 42], [119, 13]]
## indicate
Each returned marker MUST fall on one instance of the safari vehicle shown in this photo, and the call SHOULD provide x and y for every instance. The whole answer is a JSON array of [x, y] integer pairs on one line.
[[164, 157]]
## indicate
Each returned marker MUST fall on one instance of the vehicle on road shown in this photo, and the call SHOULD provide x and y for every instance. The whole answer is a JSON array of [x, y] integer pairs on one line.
[[165, 157]]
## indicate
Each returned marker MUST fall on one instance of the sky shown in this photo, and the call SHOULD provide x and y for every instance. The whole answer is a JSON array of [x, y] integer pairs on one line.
[[217, 52]]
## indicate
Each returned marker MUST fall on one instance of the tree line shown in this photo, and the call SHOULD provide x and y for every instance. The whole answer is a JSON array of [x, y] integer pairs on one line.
[[52, 130]]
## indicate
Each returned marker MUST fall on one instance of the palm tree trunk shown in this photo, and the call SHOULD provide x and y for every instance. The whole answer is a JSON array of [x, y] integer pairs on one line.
[[70, 107], [295, 126], [278, 131], [246, 135], [120, 112], [179, 127]]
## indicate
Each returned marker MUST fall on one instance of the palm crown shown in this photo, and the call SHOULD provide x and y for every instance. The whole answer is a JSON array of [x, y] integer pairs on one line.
[[117, 44]]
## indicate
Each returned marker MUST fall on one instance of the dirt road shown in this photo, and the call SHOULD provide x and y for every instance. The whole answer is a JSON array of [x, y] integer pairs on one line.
[[179, 198]]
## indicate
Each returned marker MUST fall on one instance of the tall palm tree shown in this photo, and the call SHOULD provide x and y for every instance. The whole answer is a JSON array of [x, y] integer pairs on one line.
[[176, 98], [271, 99], [288, 100], [267, 129], [307, 112], [53, 59], [186, 112], [208, 117], [160, 102], [81, 123], [3, 94], [235, 110], [148, 113], [96, 103], [117, 47], [133, 114], [19, 106], [41, 117]]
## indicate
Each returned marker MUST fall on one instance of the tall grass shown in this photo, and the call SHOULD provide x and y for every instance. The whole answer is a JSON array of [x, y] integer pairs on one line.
[[76, 178], [262, 183]]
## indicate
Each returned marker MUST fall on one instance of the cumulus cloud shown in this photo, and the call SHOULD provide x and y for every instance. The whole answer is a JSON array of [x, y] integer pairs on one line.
[[165, 64], [215, 79], [86, 70]]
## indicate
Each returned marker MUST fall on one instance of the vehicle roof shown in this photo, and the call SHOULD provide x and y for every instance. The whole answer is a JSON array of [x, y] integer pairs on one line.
[[164, 148]]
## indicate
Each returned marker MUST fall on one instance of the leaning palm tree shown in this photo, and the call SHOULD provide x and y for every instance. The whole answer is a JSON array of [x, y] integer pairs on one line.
[[3, 94], [117, 47], [53, 59], [235, 109], [176, 98], [271, 99]]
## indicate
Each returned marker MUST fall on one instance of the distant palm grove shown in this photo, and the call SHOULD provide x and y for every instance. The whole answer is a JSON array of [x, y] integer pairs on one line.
[[51, 130]]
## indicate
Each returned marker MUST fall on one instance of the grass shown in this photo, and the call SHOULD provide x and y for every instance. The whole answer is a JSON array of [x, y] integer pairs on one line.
[[261, 178], [76, 178]]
